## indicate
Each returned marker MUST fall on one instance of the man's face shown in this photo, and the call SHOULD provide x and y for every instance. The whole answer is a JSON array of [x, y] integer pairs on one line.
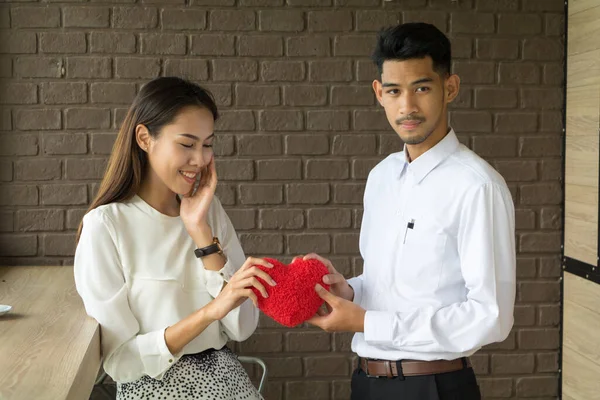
[[415, 99]]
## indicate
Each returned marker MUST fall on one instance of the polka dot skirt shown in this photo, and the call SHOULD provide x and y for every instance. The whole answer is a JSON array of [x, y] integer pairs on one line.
[[210, 375]]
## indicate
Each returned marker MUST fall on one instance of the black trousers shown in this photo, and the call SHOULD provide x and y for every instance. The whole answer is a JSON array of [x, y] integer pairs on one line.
[[458, 385]]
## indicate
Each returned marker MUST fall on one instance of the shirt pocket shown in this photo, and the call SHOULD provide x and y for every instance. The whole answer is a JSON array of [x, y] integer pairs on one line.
[[423, 245]]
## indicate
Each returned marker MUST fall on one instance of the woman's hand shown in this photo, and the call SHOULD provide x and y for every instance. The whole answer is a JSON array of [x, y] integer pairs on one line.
[[239, 288], [194, 206]]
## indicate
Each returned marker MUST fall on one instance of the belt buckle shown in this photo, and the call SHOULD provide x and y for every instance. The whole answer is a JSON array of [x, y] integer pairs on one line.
[[367, 370]]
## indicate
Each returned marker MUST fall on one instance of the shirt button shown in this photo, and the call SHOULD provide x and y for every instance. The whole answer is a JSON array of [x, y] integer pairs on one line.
[[170, 360]]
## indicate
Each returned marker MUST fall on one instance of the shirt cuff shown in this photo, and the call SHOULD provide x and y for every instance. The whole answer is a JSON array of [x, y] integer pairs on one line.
[[379, 328], [216, 279], [155, 354], [356, 284]]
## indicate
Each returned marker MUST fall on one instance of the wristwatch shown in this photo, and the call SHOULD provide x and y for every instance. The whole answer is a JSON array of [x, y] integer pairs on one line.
[[213, 248]]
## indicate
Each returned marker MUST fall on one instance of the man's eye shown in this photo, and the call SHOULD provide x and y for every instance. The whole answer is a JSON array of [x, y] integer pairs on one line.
[[423, 89], [392, 91]]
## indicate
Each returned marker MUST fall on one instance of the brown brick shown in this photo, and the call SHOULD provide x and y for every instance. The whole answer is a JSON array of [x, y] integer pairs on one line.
[[220, 91], [498, 5], [242, 219], [512, 364], [71, 42], [539, 291], [306, 390], [330, 71], [135, 17], [259, 145], [495, 146], [436, 18], [309, 3], [471, 121], [541, 193], [361, 167], [257, 95], [88, 67], [112, 92], [551, 121], [18, 195], [86, 17], [518, 171], [495, 98], [6, 171], [282, 71], [18, 42], [550, 267], [345, 243], [226, 192], [38, 67], [516, 73], [547, 362], [327, 169], [234, 70], [4, 18], [300, 144], [553, 74], [232, 169], [64, 194], [374, 20], [163, 43], [38, 170], [327, 366], [329, 21], [187, 68], [544, 5], [224, 145], [496, 387], [348, 193], [18, 245], [261, 3], [305, 95], [524, 315], [542, 98], [352, 96], [508, 344], [281, 120], [220, 3], [323, 120], [183, 19], [18, 145], [34, 119], [308, 341], [549, 315], [467, 22], [535, 242], [516, 122], [354, 45], [137, 67], [263, 342], [63, 144], [261, 194], [7, 221], [235, 121], [281, 20], [89, 168], [308, 46], [537, 386], [35, 17], [281, 219], [288, 169], [497, 49], [519, 24], [475, 72], [525, 219], [554, 24], [40, 220], [551, 170], [304, 243], [307, 193], [543, 49], [87, 118], [213, 45], [232, 20], [64, 93], [540, 146], [526, 267], [329, 218], [262, 243], [550, 218], [267, 46], [18, 93], [59, 244], [354, 145], [369, 120], [283, 367], [6, 67]]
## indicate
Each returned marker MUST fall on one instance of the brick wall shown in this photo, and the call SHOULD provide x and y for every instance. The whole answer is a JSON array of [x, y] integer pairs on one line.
[[300, 132]]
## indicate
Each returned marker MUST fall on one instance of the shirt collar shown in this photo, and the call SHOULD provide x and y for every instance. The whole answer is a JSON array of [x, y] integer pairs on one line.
[[427, 161]]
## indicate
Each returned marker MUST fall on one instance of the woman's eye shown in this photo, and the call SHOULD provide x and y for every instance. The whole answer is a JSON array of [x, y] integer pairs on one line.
[[189, 146], [208, 146]]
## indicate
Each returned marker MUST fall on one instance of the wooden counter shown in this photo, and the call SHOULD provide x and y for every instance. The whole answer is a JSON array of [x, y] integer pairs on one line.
[[49, 347]]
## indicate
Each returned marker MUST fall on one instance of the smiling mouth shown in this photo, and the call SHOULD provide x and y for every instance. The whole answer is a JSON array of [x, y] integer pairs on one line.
[[189, 176]]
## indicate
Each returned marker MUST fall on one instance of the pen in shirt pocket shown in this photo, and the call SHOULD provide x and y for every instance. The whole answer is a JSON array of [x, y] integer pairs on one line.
[[410, 225]]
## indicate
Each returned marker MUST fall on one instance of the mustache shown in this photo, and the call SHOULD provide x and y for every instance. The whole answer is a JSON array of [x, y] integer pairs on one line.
[[410, 118]]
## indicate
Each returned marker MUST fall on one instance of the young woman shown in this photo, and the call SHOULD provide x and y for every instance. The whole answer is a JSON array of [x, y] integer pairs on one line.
[[158, 263]]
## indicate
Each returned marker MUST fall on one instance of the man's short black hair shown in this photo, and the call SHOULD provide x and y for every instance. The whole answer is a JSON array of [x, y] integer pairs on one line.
[[413, 40]]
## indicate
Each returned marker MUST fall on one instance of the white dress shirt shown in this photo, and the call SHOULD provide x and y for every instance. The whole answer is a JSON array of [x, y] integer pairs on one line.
[[137, 274], [438, 243]]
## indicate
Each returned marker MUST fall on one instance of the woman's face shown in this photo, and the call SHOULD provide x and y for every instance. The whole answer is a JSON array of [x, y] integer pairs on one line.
[[182, 150]]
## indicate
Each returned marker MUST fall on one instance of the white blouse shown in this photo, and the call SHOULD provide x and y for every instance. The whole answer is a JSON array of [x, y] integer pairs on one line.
[[137, 274]]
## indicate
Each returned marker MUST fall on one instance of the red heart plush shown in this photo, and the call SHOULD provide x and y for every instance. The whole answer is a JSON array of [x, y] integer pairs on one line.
[[293, 300]]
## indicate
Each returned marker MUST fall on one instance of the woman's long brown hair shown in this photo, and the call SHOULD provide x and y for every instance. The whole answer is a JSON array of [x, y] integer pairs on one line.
[[156, 105]]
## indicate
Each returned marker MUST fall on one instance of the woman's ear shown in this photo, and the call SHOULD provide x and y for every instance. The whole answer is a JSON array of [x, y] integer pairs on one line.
[[142, 137]]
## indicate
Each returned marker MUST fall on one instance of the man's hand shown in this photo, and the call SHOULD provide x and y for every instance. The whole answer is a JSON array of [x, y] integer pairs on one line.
[[338, 284], [343, 316]]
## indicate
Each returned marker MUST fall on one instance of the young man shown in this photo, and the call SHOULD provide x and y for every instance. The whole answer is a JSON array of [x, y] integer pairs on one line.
[[437, 239]]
